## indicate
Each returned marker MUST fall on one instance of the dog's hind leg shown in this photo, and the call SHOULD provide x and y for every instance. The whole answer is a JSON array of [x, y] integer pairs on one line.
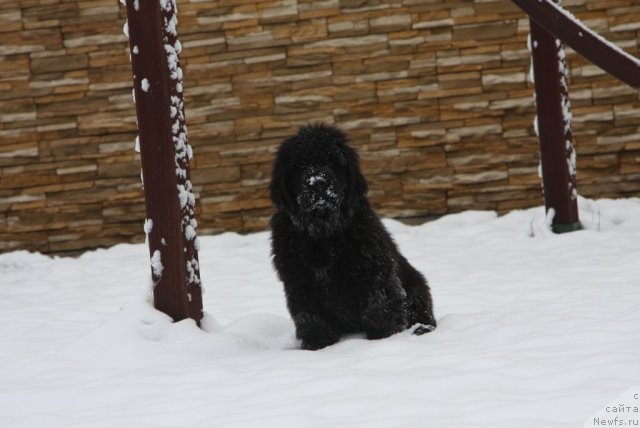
[[419, 303], [421, 313]]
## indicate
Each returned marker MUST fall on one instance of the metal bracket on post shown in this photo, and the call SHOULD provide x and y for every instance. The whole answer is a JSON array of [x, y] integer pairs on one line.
[[557, 155]]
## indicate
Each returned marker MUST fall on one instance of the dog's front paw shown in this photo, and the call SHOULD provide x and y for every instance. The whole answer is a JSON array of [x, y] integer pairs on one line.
[[380, 332], [314, 332], [384, 317], [379, 325], [315, 343]]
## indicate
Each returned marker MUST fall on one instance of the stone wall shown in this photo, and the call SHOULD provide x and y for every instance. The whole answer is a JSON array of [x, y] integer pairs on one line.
[[433, 93]]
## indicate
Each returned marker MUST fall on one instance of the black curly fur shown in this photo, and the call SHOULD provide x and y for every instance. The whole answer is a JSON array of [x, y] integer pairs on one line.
[[341, 270]]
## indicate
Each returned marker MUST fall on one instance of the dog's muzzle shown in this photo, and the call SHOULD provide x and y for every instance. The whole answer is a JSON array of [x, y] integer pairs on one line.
[[318, 191]]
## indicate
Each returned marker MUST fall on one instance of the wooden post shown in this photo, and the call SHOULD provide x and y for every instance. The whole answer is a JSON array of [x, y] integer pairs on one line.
[[557, 155], [548, 21], [165, 153]]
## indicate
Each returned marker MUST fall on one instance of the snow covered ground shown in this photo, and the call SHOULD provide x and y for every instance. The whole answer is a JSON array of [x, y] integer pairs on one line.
[[536, 330]]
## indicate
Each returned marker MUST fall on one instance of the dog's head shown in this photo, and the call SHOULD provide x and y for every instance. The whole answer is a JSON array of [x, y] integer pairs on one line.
[[317, 180]]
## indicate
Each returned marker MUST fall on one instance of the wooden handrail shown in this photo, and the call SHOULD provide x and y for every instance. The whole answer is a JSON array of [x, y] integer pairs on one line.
[[564, 26]]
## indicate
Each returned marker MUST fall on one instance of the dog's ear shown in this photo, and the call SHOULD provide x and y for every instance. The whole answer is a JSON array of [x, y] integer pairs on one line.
[[279, 190], [357, 190]]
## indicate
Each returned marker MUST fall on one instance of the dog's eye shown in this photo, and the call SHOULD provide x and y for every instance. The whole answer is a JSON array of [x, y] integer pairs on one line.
[[336, 158], [342, 160]]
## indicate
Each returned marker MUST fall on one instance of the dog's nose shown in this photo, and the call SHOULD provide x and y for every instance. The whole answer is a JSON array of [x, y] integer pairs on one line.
[[318, 190], [317, 182]]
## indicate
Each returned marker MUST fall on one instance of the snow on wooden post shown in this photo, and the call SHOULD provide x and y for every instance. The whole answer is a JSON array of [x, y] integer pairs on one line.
[[553, 126], [165, 152]]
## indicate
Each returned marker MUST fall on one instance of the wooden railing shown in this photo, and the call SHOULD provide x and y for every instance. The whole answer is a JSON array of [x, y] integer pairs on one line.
[[551, 26], [563, 25]]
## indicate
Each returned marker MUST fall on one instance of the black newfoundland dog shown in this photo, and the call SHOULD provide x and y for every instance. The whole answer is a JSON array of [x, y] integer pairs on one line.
[[341, 270]]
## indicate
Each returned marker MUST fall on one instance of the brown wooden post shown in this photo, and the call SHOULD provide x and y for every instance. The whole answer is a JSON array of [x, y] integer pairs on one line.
[[549, 21], [165, 153], [557, 155]]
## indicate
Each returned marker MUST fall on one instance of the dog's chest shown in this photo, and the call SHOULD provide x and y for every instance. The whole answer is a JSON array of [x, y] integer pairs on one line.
[[320, 274], [319, 256], [336, 284], [340, 299]]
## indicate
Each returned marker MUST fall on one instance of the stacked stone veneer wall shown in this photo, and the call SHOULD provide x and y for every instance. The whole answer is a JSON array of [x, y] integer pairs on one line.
[[433, 93]]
